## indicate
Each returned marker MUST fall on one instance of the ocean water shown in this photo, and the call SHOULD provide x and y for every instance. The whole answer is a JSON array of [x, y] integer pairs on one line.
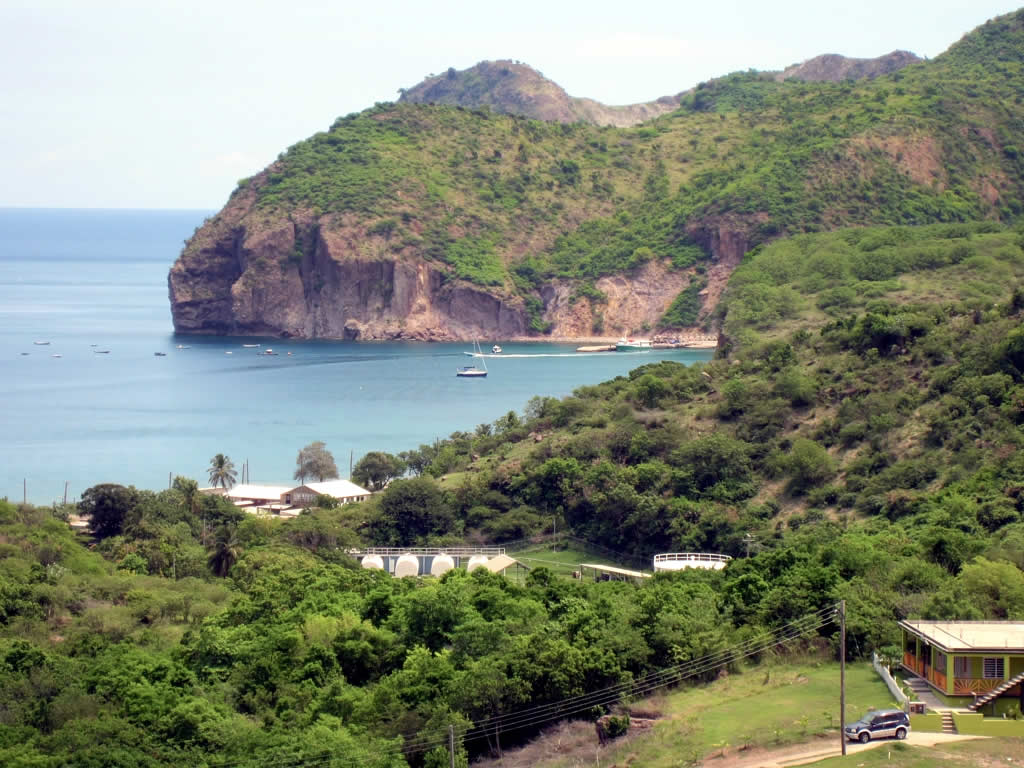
[[95, 404]]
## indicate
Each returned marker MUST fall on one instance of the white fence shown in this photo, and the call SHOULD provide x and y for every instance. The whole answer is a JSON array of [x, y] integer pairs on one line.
[[890, 682]]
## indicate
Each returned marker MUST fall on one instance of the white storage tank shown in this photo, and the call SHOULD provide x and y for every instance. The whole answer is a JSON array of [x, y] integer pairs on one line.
[[373, 561], [407, 565], [441, 565], [476, 561]]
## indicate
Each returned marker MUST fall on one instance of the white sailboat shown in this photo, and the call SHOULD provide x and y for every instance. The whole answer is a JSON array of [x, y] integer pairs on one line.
[[471, 371]]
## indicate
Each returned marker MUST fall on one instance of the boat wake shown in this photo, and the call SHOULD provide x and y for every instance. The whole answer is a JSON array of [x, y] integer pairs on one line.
[[559, 354]]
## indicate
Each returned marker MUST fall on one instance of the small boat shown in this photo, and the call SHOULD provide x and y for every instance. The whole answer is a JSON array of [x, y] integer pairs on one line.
[[183, 346], [160, 354], [101, 351], [228, 352], [268, 351], [24, 353], [496, 349], [55, 355], [471, 371], [41, 343], [251, 346], [632, 344]]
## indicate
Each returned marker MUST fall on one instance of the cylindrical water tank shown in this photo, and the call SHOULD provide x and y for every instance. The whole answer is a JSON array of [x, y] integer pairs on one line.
[[441, 565], [407, 565], [373, 561], [476, 561]]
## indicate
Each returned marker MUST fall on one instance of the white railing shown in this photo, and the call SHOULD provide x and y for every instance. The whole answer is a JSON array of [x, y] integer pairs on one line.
[[453, 551], [890, 682], [701, 557]]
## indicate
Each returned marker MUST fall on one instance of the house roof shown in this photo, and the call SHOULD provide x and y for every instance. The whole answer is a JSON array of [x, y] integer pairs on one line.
[[337, 488], [617, 571], [501, 562], [254, 491], [970, 636]]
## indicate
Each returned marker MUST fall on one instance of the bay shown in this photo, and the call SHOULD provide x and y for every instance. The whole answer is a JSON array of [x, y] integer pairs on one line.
[[93, 284]]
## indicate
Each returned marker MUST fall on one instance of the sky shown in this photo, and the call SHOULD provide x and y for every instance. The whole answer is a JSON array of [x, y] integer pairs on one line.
[[167, 103]]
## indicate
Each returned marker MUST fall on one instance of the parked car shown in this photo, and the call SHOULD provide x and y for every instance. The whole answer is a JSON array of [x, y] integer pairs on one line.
[[879, 724]]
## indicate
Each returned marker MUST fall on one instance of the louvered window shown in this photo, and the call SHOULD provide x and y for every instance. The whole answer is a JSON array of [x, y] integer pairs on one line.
[[993, 668]]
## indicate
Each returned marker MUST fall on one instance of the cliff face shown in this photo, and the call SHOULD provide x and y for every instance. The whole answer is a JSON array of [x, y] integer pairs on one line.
[[833, 67], [233, 281]]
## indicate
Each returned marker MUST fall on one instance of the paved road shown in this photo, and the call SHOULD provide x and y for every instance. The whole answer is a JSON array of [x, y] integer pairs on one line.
[[812, 753]]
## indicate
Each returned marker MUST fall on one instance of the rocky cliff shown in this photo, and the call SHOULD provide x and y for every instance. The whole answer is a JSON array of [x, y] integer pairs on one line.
[[834, 68], [513, 88]]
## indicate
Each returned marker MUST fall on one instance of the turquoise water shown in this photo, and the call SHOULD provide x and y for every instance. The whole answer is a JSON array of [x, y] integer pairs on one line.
[[82, 278]]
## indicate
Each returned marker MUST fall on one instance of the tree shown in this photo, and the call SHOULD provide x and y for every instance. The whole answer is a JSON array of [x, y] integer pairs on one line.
[[411, 510], [376, 469], [189, 490], [106, 505], [222, 471], [226, 550], [315, 461]]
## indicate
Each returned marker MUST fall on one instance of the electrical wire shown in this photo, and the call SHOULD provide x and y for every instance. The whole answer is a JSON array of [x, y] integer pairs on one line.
[[415, 743]]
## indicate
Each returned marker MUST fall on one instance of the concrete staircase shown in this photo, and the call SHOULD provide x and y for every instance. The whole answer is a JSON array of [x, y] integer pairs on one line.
[[948, 724], [981, 701], [923, 692]]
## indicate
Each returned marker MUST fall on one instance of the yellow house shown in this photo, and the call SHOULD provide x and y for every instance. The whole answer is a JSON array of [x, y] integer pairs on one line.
[[978, 665]]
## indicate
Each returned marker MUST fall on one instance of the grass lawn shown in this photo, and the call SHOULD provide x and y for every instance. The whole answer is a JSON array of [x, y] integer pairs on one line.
[[961, 754], [765, 706], [564, 560]]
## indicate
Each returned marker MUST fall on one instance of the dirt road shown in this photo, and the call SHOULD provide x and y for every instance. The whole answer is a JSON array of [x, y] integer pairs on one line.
[[804, 754]]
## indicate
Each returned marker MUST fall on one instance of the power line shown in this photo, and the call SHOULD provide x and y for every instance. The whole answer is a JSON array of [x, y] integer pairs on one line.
[[414, 743]]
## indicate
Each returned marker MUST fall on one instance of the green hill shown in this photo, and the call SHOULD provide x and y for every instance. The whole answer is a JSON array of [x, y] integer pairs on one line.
[[516, 208]]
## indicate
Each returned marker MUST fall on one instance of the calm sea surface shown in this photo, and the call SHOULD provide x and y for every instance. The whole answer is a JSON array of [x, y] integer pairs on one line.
[[87, 280]]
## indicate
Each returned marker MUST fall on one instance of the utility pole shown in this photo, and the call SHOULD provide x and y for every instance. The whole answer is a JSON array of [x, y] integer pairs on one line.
[[65, 492], [24, 490], [842, 674], [451, 744]]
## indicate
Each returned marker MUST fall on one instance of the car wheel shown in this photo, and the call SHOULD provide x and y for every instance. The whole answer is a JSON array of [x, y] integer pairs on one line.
[[864, 737], [901, 733]]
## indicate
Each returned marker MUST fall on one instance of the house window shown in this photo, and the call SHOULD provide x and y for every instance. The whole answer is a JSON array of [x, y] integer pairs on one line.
[[961, 666], [940, 662], [993, 668]]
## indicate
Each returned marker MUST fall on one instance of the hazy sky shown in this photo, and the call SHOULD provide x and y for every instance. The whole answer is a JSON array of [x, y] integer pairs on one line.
[[167, 103]]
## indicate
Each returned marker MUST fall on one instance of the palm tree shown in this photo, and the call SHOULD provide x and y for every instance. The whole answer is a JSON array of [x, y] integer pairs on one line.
[[222, 471], [226, 550]]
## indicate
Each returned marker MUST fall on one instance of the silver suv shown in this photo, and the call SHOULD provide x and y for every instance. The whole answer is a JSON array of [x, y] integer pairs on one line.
[[879, 724]]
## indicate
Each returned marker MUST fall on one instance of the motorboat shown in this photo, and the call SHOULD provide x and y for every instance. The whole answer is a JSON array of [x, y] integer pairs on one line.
[[496, 349], [41, 343], [160, 354], [625, 344]]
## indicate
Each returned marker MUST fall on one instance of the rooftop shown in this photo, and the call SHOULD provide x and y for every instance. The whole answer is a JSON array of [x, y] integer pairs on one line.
[[337, 488], [966, 636]]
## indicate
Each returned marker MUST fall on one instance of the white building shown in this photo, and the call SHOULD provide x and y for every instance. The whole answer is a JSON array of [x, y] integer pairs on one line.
[[288, 500]]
